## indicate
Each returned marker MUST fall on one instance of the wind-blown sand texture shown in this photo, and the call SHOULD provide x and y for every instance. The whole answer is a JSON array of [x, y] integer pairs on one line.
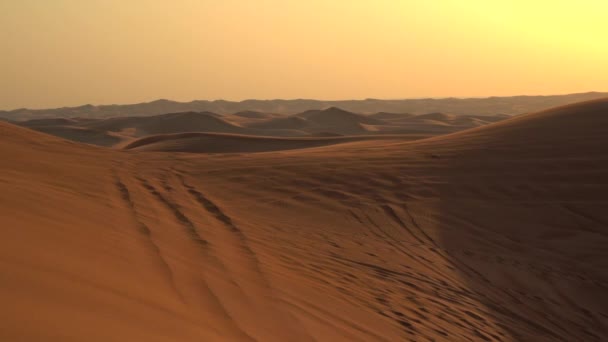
[[496, 233]]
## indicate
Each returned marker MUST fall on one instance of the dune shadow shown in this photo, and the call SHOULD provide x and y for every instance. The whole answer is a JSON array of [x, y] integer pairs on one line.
[[522, 216]]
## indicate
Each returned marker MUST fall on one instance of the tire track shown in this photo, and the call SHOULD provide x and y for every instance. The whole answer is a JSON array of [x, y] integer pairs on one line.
[[227, 222], [388, 210], [459, 264], [217, 302], [241, 242], [207, 296], [398, 245], [179, 215], [145, 231], [415, 224]]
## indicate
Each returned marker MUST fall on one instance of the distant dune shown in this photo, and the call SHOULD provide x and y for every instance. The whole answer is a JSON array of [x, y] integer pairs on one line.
[[255, 115], [80, 134], [168, 123], [547, 133], [50, 122], [437, 116], [329, 122], [495, 233], [288, 122], [471, 106], [391, 116], [332, 120], [339, 121]]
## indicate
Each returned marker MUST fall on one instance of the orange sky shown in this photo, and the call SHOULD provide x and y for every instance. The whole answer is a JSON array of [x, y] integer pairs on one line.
[[73, 52]]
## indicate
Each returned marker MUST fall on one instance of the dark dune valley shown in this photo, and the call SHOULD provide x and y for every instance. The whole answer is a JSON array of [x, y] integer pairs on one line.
[[318, 222]]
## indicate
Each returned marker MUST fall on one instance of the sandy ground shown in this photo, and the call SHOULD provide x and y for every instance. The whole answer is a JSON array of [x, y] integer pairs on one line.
[[492, 234]]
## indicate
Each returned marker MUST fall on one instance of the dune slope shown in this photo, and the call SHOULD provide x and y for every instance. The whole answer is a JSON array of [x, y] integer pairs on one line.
[[496, 233]]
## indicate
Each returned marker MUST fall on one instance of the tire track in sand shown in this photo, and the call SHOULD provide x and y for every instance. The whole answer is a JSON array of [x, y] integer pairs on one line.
[[209, 297], [240, 241], [179, 215], [145, 231]]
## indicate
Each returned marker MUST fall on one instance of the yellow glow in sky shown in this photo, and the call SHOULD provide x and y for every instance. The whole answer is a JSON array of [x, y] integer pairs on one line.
[[73, 52]]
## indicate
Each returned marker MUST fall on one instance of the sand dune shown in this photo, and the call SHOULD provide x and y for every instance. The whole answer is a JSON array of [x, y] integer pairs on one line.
[[49, 122], [168, 123], [330, 122], [234, 143], [497, 233], [340, 121], [289, 122], [337, 116], [544, 133], [333, 120], [72, 129], [391, 116], [256, 115], [437, 116], [81, 134]]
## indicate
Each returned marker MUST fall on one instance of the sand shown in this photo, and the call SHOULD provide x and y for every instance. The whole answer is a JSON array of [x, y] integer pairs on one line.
[[496, 233]]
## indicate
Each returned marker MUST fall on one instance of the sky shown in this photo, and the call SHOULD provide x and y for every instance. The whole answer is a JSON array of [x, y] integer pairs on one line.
[[57, 53]]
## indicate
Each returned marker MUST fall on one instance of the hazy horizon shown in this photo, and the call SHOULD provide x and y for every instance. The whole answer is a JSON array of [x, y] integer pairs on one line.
[[68, 53], [301, 99]]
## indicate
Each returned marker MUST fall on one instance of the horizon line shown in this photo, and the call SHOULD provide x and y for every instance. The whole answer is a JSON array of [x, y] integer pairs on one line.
[[302, 99]]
